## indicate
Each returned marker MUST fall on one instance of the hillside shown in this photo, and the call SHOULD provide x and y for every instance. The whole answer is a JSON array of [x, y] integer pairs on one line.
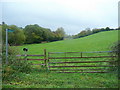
[[39, 78], [97, 42]]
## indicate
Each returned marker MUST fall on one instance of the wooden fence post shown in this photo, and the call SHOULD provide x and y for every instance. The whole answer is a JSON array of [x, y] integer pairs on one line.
[[48, 62], [45, 57], [25, 55], [81, 54]]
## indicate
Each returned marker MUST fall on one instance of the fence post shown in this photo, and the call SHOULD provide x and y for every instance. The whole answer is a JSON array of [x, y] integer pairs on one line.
[[48, 62], [81, 54], [25, 55], [45, 57]]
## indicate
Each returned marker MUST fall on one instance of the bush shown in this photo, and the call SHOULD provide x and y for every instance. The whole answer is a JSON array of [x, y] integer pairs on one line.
[[14, 66], [116, 52]]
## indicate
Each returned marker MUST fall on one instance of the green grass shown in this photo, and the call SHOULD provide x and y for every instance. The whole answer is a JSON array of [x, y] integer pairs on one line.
[[40, 78], [61, 80], [97, 42]]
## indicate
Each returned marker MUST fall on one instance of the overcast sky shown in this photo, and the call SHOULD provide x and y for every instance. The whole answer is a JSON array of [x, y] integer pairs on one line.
[[72, 15]]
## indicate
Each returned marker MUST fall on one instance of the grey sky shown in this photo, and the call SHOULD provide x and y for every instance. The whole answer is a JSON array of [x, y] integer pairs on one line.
[[72, 15]]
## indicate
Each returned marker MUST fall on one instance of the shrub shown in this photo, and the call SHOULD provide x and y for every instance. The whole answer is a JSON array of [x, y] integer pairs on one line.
[[116, 52], [14, 66]]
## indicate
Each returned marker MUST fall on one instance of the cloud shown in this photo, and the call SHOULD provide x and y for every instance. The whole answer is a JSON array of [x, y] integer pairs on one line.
[[72, 15]]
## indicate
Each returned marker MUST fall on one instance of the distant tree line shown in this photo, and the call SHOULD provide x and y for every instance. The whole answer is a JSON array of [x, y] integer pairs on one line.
[[88, 32], [31, 34]]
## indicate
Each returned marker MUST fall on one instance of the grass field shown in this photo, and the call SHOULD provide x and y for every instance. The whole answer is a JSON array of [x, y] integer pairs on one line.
[[40, 78], [97, 42], [60, 80]]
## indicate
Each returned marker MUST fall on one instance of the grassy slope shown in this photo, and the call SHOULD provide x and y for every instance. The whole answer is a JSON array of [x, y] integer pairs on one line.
[[37, 79], [97, 42]]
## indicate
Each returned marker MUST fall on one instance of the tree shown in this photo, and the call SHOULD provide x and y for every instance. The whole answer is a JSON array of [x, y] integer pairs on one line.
[[88, 32], [118, 28], [60, 33], [83, 33], [95, 30], [47, 35], [14, 38], [36, 34], [3, 23], [17, 37], [107, 28], [4, 27], [87, 29], [33, 34]]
